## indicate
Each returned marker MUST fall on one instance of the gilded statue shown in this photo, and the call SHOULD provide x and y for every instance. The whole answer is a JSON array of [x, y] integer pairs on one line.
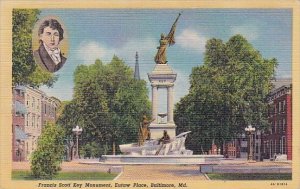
[[144, 131], [161, 55]]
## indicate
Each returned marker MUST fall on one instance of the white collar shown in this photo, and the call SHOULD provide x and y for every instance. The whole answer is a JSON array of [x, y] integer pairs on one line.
[[50, 51], [54, 54]]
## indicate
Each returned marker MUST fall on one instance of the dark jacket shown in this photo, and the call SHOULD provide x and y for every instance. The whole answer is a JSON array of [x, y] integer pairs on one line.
[[43, 59]]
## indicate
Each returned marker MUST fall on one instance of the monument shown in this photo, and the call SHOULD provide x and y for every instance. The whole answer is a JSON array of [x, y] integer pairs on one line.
[[162, 77], [157, 142]]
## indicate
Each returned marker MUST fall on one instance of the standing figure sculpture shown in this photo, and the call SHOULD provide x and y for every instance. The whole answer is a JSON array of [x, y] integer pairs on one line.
[[144, 132], [161, 55]]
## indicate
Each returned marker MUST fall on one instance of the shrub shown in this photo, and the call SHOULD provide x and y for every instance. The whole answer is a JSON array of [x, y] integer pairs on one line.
[[46, 159]]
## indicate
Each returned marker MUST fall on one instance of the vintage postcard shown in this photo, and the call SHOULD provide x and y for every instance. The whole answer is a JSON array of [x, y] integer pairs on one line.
[[150, 94]]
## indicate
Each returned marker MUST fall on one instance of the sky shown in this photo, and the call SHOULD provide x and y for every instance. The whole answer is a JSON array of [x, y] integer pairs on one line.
[[102, 33]]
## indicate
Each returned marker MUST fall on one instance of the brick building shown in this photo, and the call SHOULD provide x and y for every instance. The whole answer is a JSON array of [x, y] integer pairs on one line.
[[238, 148], [18, 121], [278, 139]]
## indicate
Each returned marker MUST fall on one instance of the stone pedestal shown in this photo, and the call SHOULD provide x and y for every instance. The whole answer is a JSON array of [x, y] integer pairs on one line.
[[162, 77]]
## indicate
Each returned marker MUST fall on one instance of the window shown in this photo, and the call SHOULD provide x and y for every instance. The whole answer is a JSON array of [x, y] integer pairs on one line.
[[280, 146], [27, 101], [284, 105], [45, 108], [256, 149], [33, 102], [244, 149], [27, 117], [33, 118], [274, 127], [271, 148], [283, 124], [18, 92], [37, 105], [27, 150], [283, 145]]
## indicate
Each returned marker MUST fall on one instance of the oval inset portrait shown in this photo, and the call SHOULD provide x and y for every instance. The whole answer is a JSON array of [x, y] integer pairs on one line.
[[49, 43]]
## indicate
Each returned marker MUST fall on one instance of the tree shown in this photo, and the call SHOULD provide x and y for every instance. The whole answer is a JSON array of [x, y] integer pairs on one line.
[[46, 159], [227, 92], [108, 103], [24, 69]]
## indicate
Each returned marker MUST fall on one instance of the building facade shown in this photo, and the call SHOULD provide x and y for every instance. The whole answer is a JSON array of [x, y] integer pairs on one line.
[[278, 139], [239, 147], [275, 141], [32, 109], [33, 119], [50, 107], [18, 122]]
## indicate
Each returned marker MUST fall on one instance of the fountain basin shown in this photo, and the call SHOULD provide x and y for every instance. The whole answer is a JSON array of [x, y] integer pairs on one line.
[[161, 159]]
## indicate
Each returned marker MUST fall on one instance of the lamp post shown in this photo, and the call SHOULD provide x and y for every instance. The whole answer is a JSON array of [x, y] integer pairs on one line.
[[77, 131], [250, 130]]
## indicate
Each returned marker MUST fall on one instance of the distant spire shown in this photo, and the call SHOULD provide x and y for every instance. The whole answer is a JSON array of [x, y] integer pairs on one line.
[[137, 70]]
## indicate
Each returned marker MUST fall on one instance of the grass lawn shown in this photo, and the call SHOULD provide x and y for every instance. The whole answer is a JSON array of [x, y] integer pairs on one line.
[[250, 176], [25, 175]]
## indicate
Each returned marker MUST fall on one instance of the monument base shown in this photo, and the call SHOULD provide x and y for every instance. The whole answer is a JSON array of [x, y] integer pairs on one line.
[[160, 159], [157, 130]]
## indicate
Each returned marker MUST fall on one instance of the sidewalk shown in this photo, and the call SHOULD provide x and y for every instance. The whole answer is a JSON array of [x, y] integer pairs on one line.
[[244, 166], [161, 172]]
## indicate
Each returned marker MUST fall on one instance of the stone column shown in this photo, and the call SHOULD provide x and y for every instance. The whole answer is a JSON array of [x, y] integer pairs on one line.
[[170, 104], [154, 103]]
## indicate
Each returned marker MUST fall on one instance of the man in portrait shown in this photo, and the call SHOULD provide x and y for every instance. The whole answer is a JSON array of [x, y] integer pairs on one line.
[[49, 55]]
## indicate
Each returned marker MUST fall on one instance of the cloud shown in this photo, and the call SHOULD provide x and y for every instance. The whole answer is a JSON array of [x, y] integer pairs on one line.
[[248, 31], [89, 51], [145, 47], [191, 39]]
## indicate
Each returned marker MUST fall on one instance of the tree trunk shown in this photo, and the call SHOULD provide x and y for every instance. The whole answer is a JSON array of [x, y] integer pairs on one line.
[[114, 148]]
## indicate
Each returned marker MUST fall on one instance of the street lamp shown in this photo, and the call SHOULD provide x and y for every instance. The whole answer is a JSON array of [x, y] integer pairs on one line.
[[77, 131], [250, 130]]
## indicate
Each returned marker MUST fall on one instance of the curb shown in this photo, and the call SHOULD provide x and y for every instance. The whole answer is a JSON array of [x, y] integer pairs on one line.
[[205, 175], [118, 175]]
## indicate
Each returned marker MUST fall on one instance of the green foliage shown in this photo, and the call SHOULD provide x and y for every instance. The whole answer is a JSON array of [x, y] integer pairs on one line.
[[92, 150], [108, 103], [24, 69], [46, 159], [26, 175], [227, 93], [250, 176]]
